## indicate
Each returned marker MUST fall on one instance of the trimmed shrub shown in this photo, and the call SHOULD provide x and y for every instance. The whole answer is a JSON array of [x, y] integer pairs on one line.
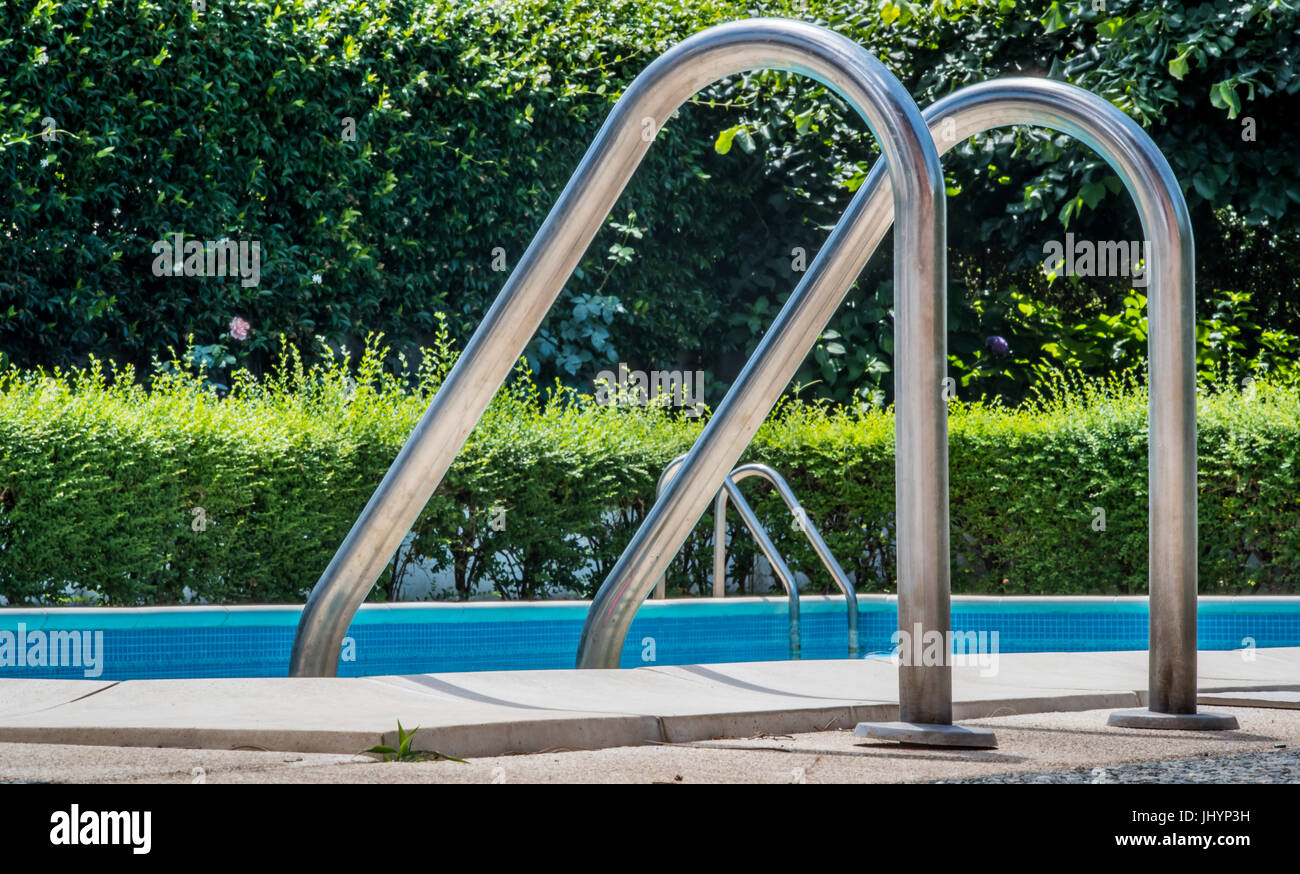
[[157, 495]]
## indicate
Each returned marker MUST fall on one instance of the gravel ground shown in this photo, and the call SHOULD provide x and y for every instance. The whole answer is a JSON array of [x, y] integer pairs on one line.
[[1042, 747], [1282, 766]]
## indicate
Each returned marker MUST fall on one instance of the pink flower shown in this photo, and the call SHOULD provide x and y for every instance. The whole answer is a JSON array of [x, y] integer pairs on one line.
[[239, 328]]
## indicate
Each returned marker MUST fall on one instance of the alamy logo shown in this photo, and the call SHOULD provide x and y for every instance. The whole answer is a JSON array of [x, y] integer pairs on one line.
[[180, 257], [52, 649], [678, 388], [914, 648], [1103, 258], [98, 827]]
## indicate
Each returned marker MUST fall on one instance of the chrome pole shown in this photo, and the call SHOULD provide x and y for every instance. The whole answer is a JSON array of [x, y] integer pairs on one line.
[[661, 587], [1172, 447], [1171, 355], [720, 544], [780, 569], [814, 536], [528, 294], [921, 415]]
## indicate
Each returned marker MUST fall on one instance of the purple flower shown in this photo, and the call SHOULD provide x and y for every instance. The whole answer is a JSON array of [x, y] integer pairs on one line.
[[997, 345], [239, 328]]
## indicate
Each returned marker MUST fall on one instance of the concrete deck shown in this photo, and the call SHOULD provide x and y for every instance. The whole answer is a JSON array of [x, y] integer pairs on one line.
[[502, 712], [1078, 743]]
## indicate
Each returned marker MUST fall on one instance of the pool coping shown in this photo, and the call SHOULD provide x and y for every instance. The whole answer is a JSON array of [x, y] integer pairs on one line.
[[425, 611], [487, 713]]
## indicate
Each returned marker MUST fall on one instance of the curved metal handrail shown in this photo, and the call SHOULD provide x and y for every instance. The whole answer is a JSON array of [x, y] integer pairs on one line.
[[925, 692], [779, 567], [1171, 351], [921, 413], [528, 294], [810, 531]]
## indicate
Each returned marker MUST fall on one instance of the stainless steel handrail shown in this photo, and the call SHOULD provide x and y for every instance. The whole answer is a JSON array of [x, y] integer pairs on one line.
[[781, 571], [920, 419], [810, 531], [925, 691], [1171, 352], [921, 413], [719, 529], [919, 274], [779, 567]]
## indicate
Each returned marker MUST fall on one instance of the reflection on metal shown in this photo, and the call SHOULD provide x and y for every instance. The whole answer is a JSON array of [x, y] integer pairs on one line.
[[919, 280], [779, 568]]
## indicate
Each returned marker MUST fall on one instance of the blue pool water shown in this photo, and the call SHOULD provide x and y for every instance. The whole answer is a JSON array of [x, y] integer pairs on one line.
[[139, 643]]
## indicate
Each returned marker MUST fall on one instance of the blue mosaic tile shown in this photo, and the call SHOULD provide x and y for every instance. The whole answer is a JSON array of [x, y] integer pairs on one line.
[[217, 642]]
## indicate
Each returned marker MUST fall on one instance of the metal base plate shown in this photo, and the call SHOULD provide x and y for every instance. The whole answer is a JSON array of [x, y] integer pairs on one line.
[[930, 735], [1201, 721]]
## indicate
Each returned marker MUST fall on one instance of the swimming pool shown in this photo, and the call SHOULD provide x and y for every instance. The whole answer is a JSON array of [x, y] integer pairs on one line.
[[138, 643]]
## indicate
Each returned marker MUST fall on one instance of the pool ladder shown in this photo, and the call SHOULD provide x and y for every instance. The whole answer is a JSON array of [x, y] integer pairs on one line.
[[731, 490], [911, 198], [905, 188]]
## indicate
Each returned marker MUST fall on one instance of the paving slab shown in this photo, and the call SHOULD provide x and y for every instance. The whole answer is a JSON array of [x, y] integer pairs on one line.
[[18, 697], [338, 715], [500, 712], [1276, 700]]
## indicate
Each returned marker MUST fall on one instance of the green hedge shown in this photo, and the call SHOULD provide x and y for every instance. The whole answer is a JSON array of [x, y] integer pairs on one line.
[[100, 480], [471, 115], [469, 118]]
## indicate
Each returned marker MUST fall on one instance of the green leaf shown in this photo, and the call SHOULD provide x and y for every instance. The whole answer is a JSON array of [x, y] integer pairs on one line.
[[1229, 91], [1109, 27], [1053, 21], [723, 143], [1204, 186], [1092, 193]]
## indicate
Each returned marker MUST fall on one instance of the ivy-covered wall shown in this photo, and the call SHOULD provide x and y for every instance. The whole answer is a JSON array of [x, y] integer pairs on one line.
[[393, 159]]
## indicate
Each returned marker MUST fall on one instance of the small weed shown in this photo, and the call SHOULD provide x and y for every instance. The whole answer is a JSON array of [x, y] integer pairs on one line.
[[404, 753]]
